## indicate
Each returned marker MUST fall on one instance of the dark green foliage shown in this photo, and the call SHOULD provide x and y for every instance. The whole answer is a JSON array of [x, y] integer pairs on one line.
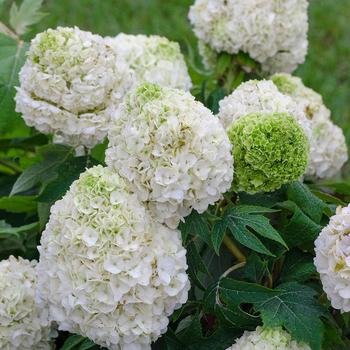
[[273, 281]]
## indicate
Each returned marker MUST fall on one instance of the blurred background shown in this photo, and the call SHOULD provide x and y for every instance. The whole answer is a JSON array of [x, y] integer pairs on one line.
[[327, 68]]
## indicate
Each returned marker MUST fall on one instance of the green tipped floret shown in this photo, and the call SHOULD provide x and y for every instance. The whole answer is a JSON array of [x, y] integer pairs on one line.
[[269, 150], [148, 92], [285, 83]]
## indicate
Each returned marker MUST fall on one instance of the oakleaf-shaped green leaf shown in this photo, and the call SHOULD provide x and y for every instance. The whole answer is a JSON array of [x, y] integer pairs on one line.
[[244, 222], [296, 309], [25, 15], [290, 305], [226, 297]]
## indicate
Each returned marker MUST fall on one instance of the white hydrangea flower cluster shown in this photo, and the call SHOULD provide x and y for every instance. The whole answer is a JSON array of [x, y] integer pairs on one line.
[[107, 270], [272, 32], [309, 100], [260, 96], [68, 84], [172, 150], [267, 339], [330, 151], [152, 59], [332, 259], [23, 324]]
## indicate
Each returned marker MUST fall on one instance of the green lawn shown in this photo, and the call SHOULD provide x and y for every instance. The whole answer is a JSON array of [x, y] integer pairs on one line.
[[327, 68]]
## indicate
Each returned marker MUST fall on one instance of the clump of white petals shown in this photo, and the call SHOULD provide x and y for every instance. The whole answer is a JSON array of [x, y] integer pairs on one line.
[[262, 96], [107, 270], [267, 339], [173, 151], [332, 259], [68, 85], [309, 100], [152, 59], [272, 32], [23, 324], [329, 152]]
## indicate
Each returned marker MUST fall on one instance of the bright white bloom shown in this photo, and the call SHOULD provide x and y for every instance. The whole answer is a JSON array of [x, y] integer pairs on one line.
[[273, 32], [107, 270], [260, 96], [332, 259], [23, 324], [152, 59], [267, 339], [329, 152], [173, 151], [69, 83]]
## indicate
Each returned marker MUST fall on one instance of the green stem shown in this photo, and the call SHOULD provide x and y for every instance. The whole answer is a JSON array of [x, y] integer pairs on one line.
[[14, 168], [233, 268], [231, 246], [10, 33]]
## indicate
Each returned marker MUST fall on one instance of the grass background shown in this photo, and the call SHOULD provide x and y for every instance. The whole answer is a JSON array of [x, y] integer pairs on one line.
[[327, 68]]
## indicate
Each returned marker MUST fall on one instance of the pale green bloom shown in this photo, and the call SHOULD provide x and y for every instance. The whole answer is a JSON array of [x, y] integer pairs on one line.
[[269, 150]]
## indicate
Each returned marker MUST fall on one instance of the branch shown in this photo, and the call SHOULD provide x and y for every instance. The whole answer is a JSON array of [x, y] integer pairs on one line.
[[234, 250], [10, 33]]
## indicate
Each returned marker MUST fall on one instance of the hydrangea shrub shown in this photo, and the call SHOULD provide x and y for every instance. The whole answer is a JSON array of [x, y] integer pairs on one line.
[[155, 204]]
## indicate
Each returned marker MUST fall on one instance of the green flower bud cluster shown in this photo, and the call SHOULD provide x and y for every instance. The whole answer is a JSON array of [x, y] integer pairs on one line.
[[269, 149]]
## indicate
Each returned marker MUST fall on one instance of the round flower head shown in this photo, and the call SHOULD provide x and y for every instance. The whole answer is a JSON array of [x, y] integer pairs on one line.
[[106, 270], [173, 151], [269, 150], [152, 59], [267, 339], [272, 32], [260, 96], [332, 259], [329, 151], [68, 83], [23, 324]]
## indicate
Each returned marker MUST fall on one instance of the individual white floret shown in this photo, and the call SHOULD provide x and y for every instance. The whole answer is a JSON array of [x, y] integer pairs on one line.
[[152, 59], [24, 325], [272, 32], [108, 271], [332, 259], [69, 84], [173, 151]]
